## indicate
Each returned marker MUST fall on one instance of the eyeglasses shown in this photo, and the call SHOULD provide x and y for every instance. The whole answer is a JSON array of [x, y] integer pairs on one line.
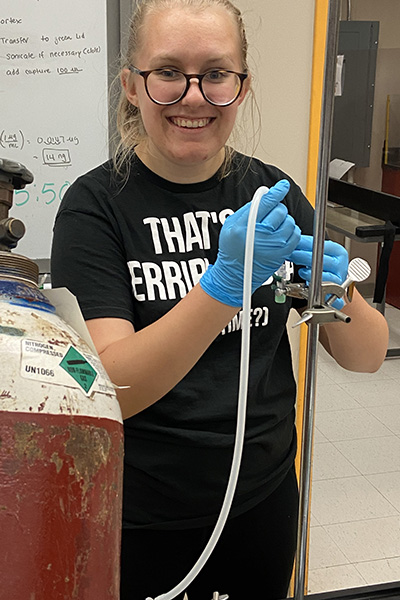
[[168, 86]]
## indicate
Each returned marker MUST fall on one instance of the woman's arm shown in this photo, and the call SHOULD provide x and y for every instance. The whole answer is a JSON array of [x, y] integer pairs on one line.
[[152, 361], [361, 344]]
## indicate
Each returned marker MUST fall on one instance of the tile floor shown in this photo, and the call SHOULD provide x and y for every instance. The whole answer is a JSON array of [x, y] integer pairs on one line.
[[355, 506]]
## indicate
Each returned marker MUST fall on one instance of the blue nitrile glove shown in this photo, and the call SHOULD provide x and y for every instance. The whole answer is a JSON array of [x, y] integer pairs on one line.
[[335, 263], [276, 236]]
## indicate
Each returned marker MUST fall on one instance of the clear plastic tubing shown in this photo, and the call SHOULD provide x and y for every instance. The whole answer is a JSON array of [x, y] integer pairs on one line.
[[242, 404]]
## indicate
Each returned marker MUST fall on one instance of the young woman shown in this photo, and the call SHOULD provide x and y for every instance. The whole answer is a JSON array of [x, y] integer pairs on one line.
[[145, 244]]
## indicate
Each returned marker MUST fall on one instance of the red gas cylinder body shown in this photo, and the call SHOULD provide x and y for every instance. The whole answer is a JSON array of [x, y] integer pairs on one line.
[[61, 450]]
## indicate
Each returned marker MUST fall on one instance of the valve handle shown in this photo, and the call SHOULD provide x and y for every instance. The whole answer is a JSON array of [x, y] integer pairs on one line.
[[358, 271]]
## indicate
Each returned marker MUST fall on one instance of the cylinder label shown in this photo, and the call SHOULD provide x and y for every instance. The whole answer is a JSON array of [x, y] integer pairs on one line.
[[47, 362]]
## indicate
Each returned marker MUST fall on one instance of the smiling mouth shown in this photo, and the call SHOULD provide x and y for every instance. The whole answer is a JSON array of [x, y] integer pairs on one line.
[[191, 123]]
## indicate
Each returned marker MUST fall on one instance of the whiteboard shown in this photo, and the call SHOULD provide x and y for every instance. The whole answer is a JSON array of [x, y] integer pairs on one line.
[[54, 105]]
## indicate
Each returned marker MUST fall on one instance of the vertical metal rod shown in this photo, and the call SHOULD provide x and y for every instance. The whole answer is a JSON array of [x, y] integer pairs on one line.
[[315, 292], [349, 10]]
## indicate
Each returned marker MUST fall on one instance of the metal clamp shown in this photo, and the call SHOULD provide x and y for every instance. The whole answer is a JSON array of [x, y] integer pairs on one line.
[[300, 290], [319, 314], [322, 314], [358, 271], [283, 289]]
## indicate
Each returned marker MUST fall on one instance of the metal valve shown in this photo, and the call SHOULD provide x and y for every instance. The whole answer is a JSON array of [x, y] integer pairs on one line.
[[13, 176], [358, 271]]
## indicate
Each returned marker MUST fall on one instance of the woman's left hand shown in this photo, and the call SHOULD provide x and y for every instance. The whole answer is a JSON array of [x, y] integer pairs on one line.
[[335, 262]]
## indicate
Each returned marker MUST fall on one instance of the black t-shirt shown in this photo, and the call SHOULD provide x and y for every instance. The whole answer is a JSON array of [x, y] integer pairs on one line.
[[132, 249]]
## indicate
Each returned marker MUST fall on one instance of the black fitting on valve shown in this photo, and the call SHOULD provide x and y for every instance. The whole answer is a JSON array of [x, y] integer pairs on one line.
[[11, 231]]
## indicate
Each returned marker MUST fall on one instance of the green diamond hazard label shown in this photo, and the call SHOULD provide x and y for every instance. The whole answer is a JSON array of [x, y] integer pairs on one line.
[[78, 367]]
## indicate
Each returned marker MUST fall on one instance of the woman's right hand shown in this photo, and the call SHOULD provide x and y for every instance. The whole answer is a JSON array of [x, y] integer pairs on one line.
[[276, 236]]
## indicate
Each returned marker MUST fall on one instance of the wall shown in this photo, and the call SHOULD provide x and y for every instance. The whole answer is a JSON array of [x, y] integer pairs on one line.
[[281, 43], [280, 36]]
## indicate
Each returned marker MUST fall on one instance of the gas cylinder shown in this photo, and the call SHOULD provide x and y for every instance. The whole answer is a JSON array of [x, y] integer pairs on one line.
[[61, 451]]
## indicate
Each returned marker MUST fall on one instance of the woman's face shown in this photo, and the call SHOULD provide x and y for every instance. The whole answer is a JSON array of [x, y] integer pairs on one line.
[[185, 141]]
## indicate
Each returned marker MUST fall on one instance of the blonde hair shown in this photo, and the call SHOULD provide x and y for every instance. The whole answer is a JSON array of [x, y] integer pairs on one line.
[[129, 121]]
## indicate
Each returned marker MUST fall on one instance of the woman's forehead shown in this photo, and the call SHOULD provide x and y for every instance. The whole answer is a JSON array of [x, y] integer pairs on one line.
[[169, 32]]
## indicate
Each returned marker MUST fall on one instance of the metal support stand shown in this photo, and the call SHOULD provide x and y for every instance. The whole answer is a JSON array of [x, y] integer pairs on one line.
[[315, 292]]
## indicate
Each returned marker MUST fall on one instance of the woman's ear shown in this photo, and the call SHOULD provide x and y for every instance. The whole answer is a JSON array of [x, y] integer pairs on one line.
[[245, 89], [129, 86]]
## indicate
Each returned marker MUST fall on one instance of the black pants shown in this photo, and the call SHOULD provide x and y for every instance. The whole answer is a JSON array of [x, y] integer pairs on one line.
[[252, 559]]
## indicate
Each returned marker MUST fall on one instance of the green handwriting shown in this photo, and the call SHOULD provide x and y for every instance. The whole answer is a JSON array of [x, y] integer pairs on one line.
[[48, 194]]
